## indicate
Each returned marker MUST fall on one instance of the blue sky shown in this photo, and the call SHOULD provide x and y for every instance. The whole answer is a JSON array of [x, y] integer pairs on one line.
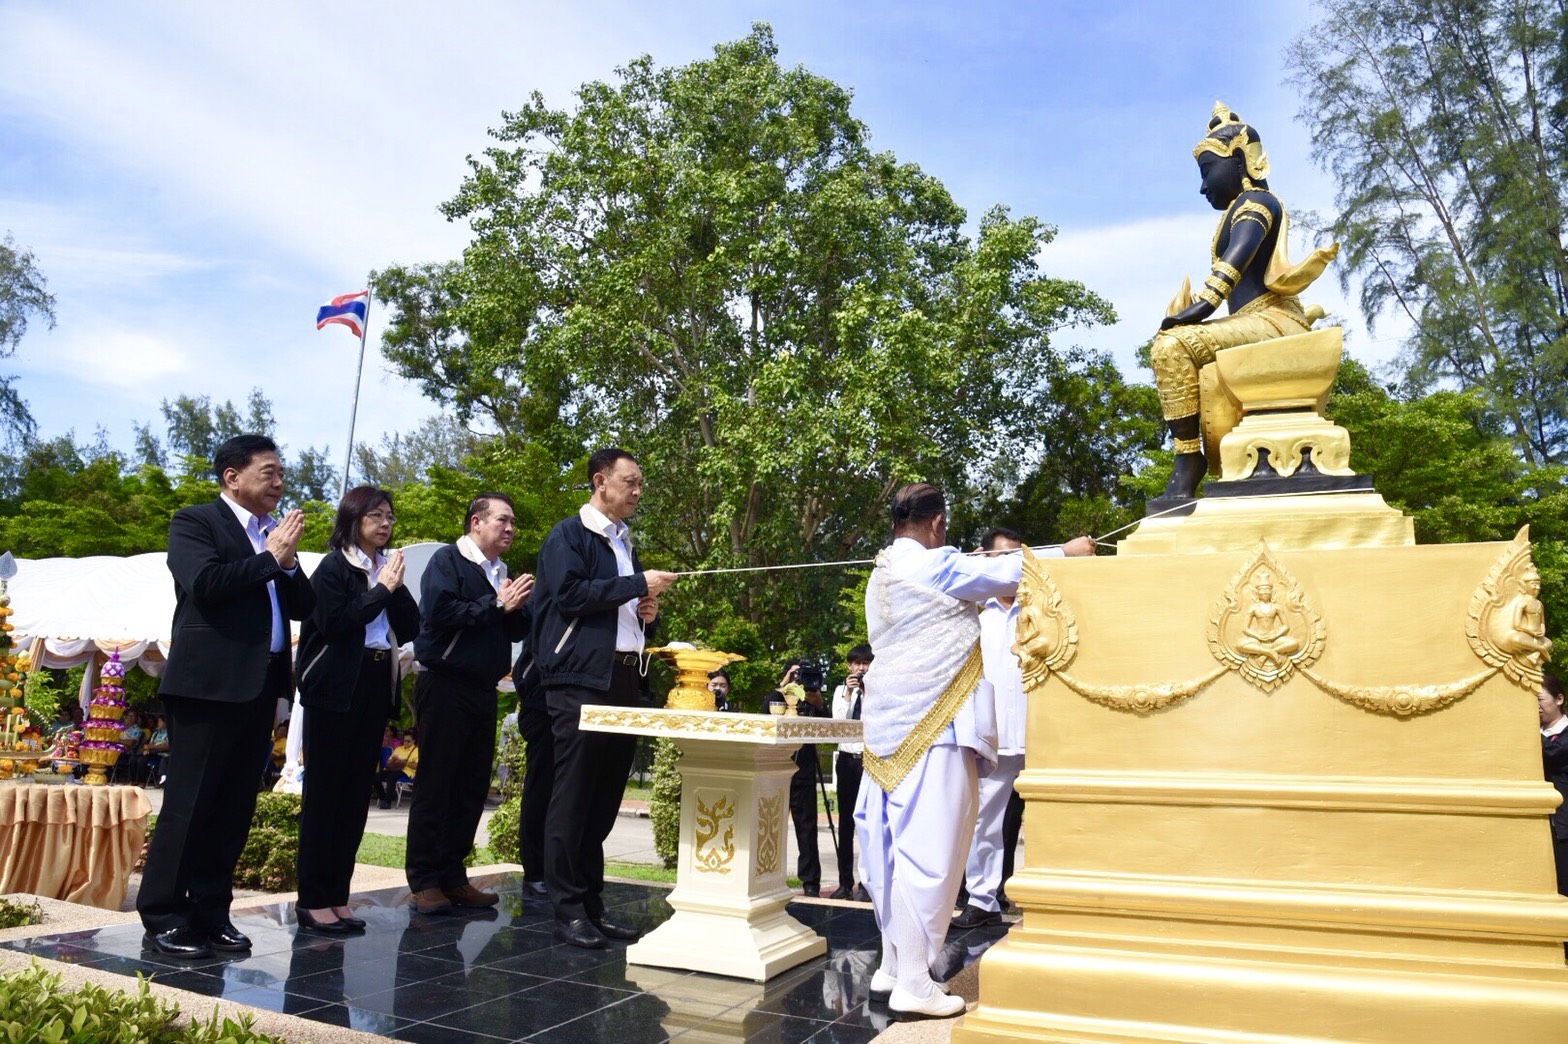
[[196, 178]]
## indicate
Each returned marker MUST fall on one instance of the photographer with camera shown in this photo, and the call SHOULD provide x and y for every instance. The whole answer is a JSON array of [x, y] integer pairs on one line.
[[807, 679], [847, 770]]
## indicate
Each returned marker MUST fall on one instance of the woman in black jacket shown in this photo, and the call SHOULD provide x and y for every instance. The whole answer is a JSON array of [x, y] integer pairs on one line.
[[348, 678]]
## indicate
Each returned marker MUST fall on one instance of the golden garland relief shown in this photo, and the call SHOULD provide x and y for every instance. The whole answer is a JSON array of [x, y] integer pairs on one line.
[[1264, 627], [1507, 624]]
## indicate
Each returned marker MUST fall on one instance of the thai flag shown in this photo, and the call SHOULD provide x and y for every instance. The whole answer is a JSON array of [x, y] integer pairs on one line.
[[346, 309]]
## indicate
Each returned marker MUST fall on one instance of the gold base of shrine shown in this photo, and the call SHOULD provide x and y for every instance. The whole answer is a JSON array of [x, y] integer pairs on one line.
[[1341, 837]]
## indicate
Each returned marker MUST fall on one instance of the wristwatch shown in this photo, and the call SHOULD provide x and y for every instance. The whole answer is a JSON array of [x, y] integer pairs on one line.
[[498, 603]]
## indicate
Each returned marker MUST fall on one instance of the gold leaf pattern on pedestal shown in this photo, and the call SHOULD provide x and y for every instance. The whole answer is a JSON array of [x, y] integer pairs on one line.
[[1506, 625], [770, 833], [1265, 627], [1401, 701], [1141, 699], [709, 820]]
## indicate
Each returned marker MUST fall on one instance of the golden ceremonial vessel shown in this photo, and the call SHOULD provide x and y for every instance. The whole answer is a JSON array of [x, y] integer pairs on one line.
[[692, 667], [1284, 778]]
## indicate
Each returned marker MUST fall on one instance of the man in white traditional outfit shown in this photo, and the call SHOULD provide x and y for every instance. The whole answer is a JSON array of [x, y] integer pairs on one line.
[[929, 734], [996, 828]]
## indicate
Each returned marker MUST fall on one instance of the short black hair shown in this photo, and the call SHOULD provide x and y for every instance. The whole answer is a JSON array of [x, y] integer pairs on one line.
[[720, 673], [1553, 687], [860, 654], [988, 542], [237, 453], [604, 460], [481, 504], [356, 504], [916, 502]]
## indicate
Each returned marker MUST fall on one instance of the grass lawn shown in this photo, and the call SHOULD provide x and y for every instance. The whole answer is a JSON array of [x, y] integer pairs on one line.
[[387, 850]]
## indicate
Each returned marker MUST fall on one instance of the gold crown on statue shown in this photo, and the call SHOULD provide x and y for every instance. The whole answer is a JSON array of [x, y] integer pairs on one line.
[[1227, 136]]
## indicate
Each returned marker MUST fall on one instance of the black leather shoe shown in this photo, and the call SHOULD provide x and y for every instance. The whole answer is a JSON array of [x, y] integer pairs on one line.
[[860, 895], [615, 929], [810, 891], [309, 924], [841, 892], [974, 917], [535, 889], [354, 923], [228, 938], [185, 943], [579, 932]]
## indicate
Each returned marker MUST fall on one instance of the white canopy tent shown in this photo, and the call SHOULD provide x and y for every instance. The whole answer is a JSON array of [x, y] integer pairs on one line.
[[70, 611]]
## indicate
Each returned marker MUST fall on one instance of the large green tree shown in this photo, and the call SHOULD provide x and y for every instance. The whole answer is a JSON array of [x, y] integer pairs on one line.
[[711, 265], [1446, 126], [24, 297]]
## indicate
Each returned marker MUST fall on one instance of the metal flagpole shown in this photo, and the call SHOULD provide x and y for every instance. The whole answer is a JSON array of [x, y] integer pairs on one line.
[[348, 453]]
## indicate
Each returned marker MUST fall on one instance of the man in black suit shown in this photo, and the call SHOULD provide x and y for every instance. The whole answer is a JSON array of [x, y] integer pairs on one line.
[[237, 583]]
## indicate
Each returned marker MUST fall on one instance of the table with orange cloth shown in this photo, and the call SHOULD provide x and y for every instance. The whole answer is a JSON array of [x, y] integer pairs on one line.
[[71, 842]]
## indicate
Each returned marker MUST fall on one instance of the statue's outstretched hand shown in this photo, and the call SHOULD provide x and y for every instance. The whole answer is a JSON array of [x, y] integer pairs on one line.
[[1193, 313]]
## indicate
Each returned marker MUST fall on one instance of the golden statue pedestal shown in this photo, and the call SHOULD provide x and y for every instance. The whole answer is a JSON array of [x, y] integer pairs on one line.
[[1283, 793], [730, 889]]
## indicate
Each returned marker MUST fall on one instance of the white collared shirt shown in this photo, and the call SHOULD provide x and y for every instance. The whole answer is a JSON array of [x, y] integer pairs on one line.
[[843, 706], [998, 628], [628, 629], [376, 631], [494, 568], [256, 528], [1556, 727]]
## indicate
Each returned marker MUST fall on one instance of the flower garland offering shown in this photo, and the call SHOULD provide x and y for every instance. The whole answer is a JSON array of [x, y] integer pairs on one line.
[[101, 747]]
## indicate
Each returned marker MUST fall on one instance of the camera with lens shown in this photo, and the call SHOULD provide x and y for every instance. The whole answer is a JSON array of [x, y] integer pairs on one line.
[[811, 677]]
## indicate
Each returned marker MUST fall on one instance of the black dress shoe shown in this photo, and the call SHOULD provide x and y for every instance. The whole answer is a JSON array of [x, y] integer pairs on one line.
[[310, 924], [354, 923], [615, 929], [841, 892], [580, 932], [536, 889], [228, 938], [810, 891], [185, 943], [974, 917], [860, 895]]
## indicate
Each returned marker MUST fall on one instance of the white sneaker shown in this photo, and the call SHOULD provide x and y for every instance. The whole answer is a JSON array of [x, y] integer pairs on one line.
[[940, 1005], [882, 985]]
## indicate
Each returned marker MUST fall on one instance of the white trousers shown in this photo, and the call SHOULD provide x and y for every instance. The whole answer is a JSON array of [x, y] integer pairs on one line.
[[983, 872], [914, 843]]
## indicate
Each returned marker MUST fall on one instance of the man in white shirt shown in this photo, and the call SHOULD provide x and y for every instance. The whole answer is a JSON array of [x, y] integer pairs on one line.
[[847, 703], [996, 829]]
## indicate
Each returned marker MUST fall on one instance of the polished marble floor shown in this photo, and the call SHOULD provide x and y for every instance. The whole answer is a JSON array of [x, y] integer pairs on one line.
[[498, 975]]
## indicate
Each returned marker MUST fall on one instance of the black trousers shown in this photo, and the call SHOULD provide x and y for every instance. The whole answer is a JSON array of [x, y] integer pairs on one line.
[[1012, 823], [533, 724], [590, 779], [803, 810], [215, 749], [342, 751], [847, 772], [456, 723]]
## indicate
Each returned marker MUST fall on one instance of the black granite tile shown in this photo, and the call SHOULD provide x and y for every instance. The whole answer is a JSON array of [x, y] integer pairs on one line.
[[772, 1028], [355, 1018], [430, 1033], [128, 966], [367, 978], [560, 961], [517, 1015], [638, 1019], [434, 998]]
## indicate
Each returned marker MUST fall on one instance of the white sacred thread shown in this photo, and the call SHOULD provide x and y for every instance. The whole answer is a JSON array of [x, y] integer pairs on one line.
[[1099, 540]]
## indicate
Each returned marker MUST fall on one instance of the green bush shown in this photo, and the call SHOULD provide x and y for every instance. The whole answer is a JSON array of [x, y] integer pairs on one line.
[[664, 807], [33, 1007], [267, 861], [506, 821], [14, 914]]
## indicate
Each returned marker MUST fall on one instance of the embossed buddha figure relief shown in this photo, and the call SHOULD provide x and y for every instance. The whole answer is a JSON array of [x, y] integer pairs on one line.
[[1250, 271], [1266, 634], [1525, 618]]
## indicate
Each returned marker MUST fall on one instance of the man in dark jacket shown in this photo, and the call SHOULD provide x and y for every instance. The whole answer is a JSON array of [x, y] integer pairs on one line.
[[237, 583], [470, 614], [594, 604]]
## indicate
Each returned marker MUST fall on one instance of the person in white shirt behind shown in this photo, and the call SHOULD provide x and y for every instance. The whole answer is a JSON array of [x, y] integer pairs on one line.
[[930, 731], [1001, 811], [847, 702]]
